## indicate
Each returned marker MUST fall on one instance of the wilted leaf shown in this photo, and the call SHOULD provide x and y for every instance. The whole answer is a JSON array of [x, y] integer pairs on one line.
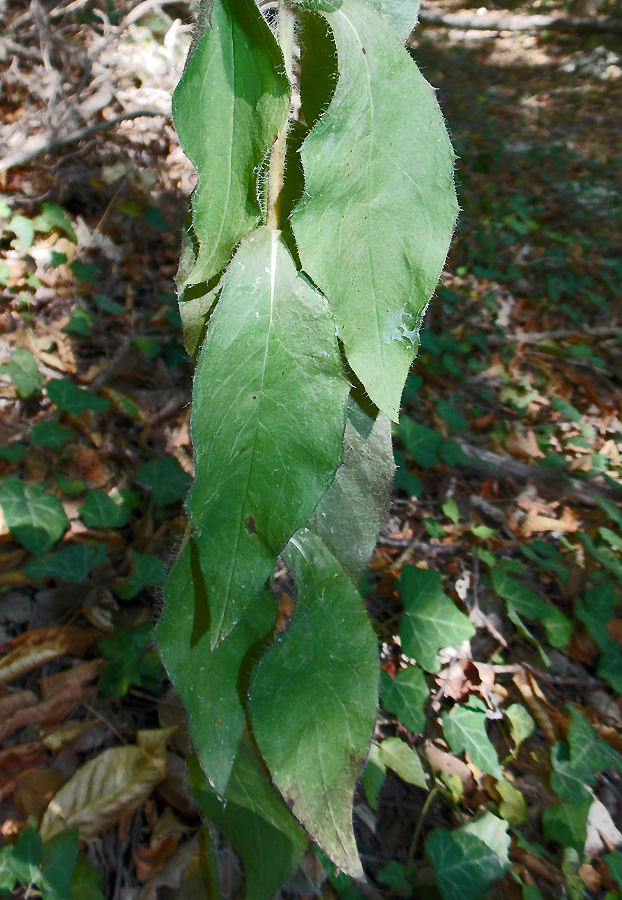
[[108, 787], [34, 648], [33, 516], [430, 621], [397, 755]]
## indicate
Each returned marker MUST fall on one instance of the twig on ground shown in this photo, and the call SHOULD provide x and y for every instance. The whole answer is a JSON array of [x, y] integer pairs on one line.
[[528, 23], [42, 144]]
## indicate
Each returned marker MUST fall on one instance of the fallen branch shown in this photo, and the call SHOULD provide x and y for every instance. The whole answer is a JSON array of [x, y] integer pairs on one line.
[[564, 486], [530, 23], [42, 144]]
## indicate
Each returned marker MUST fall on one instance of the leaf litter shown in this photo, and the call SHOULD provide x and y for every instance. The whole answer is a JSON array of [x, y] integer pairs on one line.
[[509, 474]]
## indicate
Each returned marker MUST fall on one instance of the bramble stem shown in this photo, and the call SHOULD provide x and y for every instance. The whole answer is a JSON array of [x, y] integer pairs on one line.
[[285, 37]]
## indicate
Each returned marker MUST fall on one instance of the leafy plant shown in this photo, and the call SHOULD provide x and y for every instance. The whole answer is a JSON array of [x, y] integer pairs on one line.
[[311, 249]]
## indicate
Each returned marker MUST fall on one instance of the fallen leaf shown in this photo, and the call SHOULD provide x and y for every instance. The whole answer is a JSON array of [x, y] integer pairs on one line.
[[34, 648], [17, 760], [602, 834], [615, 630], [522, 442], [35, 789], [108, 787], [150, 860], [569, 523]]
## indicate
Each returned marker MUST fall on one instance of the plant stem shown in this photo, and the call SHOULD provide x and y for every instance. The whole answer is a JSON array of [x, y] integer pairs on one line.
[[285, 37]]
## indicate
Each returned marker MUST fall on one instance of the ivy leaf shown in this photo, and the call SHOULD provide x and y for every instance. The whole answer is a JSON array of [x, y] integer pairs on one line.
[[374, 224], [465, 866], [465, 729], [397, 755], [35, 518], [100, 511], [596, 611], [72, 563], [58, 861], [212, 684], [613, 861], [69, 398], [54, 216], [268, 430], [26, 855], [404, 696], [148, 571], [166, 478], [373, 776], [50, 434], [24, 373], [130, 660], [527, 603], [228, 108], [589, 753], [493, 831], [522, 725], [363, 482], [567, 824], [254, 818], [566, 781], [430, 621], [314, 698], [422, 443]]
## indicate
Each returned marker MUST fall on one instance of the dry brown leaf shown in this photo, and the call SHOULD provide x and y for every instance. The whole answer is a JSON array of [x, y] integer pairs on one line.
[[68, 732], [569, 523], [441, 761], [522, 442], [34, 648], [35, 789], [17, 760], [108, 787], [615, 630], [150, 860]]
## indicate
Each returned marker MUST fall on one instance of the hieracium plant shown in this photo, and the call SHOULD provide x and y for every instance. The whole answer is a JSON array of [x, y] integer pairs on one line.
[[314, 240]]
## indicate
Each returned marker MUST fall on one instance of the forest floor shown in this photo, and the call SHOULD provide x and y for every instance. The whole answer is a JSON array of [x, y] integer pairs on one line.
[[509, 481]]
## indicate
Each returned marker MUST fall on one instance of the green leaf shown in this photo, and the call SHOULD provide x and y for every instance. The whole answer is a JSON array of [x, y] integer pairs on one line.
[[72, 563], [70, 485], [421, 443], [267, 422], [394, 876], [589, 753], [451, 510], [379, 207], [149, 571], [85, 882], [465, 866], [527, 603], [493, 831], [24, 373], [567, 824], [130, 660], [24, 231], [72, 399], [465, 729], [228, 108], [100, 511], [373, 776], [50, 434], [314, 699], [522, 725], [166, 478], [430, 621], [194, 313], [363, 482], [59, 856], [397, 755], [35, 518], [401, 15], [13, 453], [512, 806], [318, 66], [8, 878], [566, 781], [405, 696], [26, 856], [254, 818], [54, 216], [613, 861], [212, 685]]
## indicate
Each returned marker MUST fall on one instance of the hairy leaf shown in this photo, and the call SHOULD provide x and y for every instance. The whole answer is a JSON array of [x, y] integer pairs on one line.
[[400, 14], [314, 699], [430, 621], [351, 514], [228, 108], [405, 695], [379, 208], [465, 729], [255, 819], [212, 685], [268, 430]]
